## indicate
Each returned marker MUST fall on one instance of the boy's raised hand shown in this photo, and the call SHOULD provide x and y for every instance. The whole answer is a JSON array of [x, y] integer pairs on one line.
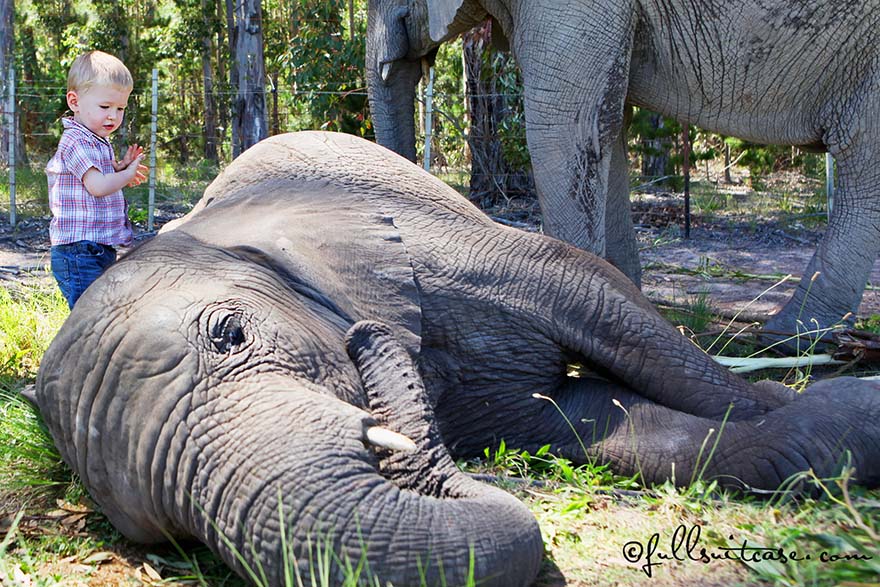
[[140, 175], [132, 153]]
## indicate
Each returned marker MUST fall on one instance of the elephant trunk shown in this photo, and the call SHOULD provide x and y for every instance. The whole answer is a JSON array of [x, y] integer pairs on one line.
[[298, 479], [391, 77]]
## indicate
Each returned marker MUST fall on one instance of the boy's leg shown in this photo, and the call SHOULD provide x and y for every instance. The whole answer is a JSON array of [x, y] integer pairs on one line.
[[75, 266]]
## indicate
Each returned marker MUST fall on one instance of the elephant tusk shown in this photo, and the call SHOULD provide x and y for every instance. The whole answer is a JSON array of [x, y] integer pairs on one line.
[[384, 438], [385, 71]]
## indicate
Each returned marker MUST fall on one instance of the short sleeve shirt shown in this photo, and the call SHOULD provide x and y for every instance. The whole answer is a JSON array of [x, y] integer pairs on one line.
[[77, 215]]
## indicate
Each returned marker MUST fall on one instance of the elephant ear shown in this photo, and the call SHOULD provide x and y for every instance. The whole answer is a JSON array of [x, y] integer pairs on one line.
[[441, 13], [328, 245]]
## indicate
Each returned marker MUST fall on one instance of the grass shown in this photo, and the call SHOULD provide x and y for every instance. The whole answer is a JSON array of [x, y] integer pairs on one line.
[[29, 318]]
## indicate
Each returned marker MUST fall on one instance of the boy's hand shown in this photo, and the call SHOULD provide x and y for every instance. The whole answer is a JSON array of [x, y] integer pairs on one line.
[[132, 153], [137, 171]]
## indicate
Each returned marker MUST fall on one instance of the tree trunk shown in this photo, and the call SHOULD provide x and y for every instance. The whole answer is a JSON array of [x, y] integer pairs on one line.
[[208, 77], [182, 138], [7, 25], [249, 124], [655, 162], [727, 178], [221, 102], [492, 177], [127, 56], [276, 122], [29, 118]]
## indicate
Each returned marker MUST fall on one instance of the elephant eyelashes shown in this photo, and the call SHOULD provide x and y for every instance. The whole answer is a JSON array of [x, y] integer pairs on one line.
[[227, 334]]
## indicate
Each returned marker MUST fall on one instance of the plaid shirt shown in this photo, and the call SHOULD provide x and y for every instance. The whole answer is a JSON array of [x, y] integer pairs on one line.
[[77, 215]]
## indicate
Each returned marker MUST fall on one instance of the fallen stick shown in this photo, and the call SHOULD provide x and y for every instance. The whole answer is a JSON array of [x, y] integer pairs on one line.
[[747, 365]]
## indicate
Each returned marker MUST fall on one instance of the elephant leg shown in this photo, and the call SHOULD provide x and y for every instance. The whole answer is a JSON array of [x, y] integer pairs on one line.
[[813, 432], [621, 248], [507, 361], [516, 324], [835, 278], [574, 109]]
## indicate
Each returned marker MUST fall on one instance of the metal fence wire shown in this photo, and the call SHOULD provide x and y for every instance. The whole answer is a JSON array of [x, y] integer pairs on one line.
[[444, 146]]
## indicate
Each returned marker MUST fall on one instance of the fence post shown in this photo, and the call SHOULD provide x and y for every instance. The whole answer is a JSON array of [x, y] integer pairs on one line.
[[686, 164], [11, 111], [151, 206], [429, 115], [829, 182]]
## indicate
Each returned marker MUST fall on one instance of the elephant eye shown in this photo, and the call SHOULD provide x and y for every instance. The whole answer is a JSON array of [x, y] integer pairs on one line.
[[227, 334]]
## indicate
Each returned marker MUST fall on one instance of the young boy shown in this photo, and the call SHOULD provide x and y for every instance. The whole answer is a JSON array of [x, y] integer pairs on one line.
[[89, 213]]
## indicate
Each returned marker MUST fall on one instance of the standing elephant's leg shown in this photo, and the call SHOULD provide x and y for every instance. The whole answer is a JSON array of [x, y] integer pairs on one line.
[[621, 248], [844, 258], [574, 113]]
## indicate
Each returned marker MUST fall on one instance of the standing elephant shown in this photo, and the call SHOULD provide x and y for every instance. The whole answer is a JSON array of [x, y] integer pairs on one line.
[[799, 72], [295, 361]]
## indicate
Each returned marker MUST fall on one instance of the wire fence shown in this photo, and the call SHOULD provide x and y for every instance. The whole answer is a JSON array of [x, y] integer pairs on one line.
[[445, 146], [33, 110]]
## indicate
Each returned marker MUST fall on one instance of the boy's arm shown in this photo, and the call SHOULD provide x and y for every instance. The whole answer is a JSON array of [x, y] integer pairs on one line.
[[99, 184]]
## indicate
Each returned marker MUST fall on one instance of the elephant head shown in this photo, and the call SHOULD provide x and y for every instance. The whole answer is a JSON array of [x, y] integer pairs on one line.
[[399, 38], [294, 362]]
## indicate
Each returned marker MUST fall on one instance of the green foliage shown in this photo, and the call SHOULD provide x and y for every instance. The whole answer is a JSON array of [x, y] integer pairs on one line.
[[546, 466], [512, 130], [652, 136], [698, 312], [761, 160], [29, 319], [449, 126], [322, 68], [49, 36], [870, 323]]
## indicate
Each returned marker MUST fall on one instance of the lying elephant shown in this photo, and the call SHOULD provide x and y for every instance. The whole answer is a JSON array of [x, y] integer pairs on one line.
[[296, 360]]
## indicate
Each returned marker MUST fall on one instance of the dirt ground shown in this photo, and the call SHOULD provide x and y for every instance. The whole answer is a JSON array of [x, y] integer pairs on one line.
[[732, 261]]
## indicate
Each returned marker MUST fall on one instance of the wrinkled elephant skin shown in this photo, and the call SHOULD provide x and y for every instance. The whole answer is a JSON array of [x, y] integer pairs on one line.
[[791, 72], [295, 363]]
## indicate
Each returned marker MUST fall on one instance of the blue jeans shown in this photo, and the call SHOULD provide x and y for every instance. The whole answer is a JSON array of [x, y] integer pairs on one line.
[[76, 265]]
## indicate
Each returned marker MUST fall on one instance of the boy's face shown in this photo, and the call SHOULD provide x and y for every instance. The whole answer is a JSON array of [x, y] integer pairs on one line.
[[99, 108]]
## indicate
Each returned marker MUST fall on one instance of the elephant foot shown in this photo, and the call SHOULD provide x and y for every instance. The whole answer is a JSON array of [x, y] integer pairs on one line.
[[833, 426]]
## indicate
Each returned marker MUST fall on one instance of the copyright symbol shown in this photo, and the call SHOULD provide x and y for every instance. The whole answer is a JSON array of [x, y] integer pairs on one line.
[[633, 551]]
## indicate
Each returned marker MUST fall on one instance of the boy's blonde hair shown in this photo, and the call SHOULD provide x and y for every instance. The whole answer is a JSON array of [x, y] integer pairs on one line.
[[96, 68]]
